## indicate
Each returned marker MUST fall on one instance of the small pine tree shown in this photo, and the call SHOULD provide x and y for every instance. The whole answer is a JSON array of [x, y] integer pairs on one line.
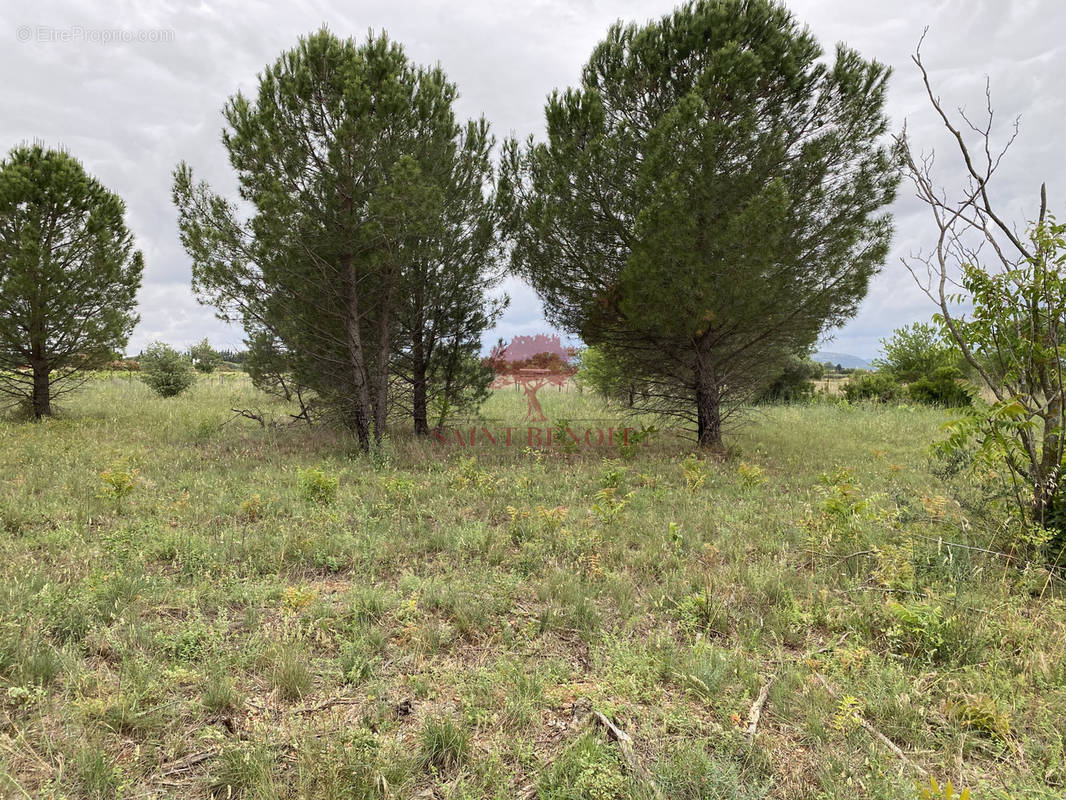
[[204, 357], [69, 276], [604, 372], [367, 263], [165, 370]]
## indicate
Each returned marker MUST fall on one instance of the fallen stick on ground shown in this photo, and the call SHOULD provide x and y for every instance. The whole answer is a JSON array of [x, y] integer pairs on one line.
[[329, 702], [629, 755], [757, 707], [174, 767], [247, 413], [895, 748]]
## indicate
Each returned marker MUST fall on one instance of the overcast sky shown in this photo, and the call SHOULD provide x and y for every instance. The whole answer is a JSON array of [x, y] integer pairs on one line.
[[130, 110]]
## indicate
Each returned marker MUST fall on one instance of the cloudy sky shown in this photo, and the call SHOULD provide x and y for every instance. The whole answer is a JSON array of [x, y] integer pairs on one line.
[[131, 88]]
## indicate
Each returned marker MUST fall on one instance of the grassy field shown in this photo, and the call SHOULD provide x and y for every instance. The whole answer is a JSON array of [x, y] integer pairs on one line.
[[196, 606]]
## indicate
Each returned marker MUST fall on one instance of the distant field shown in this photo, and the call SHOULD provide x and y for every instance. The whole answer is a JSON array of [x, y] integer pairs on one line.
[[830, 386], [190, 607]]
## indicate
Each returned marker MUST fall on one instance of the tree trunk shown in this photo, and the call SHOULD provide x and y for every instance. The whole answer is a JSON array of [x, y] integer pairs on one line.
[[708, 406], [1046, 473], [381, 379], [381, 382], [357, 361], [419, 400], [42, 390]]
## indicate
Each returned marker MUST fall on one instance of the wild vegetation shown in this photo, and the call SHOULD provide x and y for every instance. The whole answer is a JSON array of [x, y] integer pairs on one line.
[[355, 569], [198, 606]]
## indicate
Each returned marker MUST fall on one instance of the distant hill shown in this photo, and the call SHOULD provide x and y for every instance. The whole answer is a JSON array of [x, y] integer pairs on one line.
[[843, 359]]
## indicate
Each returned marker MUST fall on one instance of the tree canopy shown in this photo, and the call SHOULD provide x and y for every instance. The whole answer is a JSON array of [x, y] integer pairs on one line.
[[204, 357], [708, 200]]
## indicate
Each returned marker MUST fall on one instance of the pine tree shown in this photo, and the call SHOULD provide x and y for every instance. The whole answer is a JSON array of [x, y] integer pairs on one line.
[[707, 202], [167, 372], [446, 281], [204, 357], [69, 276], [346, 154]]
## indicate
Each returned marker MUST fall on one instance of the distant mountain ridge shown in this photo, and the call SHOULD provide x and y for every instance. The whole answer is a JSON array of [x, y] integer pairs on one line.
[[843, 359]]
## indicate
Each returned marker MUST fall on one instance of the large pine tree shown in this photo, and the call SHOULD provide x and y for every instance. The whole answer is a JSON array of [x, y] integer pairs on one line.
[[708, 200], [69, 276], [348, 155]]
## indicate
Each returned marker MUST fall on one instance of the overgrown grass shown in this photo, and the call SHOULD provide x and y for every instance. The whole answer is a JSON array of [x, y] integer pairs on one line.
[[193, 605]]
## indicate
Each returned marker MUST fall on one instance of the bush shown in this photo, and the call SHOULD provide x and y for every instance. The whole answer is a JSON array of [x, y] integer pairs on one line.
[[916, 351], [941, 387], [604, 373], [918, 356], [204, 357], [878, 386], [317, 486], [166, 371], [795, 383]]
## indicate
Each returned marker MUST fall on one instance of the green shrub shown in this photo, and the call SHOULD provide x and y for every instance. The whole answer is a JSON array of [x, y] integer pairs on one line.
[[845, 509], [605, 374], [916, 351], [166, 371], [204, 357], [357, 666], [879, 386], [942, 387], [750, 475], [795, 384], [923, 631], [118, 482], [633, 439], [317, 486], [589, 769], [979, 713]]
